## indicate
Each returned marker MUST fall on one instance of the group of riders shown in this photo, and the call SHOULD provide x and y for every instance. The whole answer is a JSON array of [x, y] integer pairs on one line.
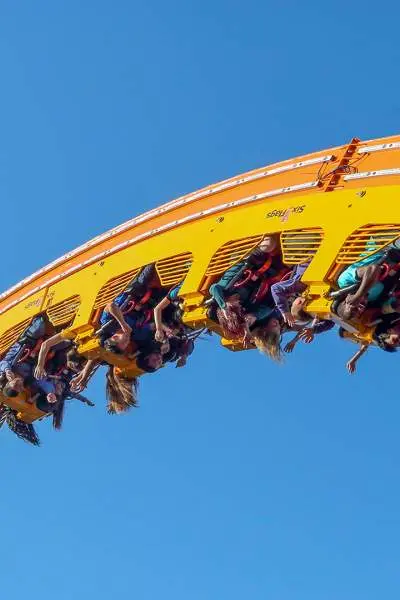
[[253, 303]]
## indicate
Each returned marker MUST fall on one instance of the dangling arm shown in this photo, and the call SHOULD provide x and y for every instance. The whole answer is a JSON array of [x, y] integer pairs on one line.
[[79, 382], [351, 365], [45, 348], [160, 335]]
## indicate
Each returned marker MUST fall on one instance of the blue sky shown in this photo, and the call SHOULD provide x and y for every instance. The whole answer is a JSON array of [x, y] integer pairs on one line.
[[236, 478]]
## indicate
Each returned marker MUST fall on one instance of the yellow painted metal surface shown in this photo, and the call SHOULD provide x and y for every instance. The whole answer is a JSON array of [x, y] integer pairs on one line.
[[326, 205]]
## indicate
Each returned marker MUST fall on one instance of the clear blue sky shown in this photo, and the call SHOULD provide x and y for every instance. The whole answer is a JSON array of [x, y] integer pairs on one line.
[[236, 479]]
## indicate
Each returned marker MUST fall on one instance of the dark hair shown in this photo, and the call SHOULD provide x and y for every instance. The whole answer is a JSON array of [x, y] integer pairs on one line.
[[25, 431], [58, 412], [136, 291], [392, 255], [172, 315], [176, 346], [142, 362], [56, 408], [42, 403]]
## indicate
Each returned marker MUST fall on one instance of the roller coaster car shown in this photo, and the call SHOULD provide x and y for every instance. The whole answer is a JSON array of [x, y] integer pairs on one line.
[[325, 207]]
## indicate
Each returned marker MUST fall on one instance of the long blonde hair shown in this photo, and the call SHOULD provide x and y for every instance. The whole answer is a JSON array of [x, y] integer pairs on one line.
[[121, 392], [269, 343]]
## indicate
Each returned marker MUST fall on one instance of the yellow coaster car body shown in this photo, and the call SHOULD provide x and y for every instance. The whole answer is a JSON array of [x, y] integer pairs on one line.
[[325, 205]]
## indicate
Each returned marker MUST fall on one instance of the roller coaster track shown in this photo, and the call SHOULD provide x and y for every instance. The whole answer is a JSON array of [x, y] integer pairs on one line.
[[329, 202]]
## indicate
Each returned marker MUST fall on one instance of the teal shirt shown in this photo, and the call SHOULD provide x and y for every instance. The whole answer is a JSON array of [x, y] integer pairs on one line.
[[350, 277]]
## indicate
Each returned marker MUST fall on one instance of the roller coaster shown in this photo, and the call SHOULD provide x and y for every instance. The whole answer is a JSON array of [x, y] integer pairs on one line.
[[326, 208]]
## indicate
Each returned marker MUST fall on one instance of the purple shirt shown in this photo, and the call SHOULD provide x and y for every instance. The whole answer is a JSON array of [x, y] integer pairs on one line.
[[282, 290]]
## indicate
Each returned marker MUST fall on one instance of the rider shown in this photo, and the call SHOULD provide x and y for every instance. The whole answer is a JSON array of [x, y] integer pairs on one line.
[[163, 328], [224, 289], [386, 336], [282, 291], [366, 272]]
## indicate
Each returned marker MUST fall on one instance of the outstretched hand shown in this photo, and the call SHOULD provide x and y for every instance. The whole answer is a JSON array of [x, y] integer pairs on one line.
[[40, 372], [290, 347], [159, 335], [78, 383], [306, 335], [351, 366]]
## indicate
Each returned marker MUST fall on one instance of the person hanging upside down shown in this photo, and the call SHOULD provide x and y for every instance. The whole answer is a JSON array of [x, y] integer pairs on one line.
[[386, 336], [141, 333], [17, 377], [57, 344], [162, 329], [126, 311], [144, 282], [367, 273], [224, 289], [17, 364], [284, 290], [16, 373]]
